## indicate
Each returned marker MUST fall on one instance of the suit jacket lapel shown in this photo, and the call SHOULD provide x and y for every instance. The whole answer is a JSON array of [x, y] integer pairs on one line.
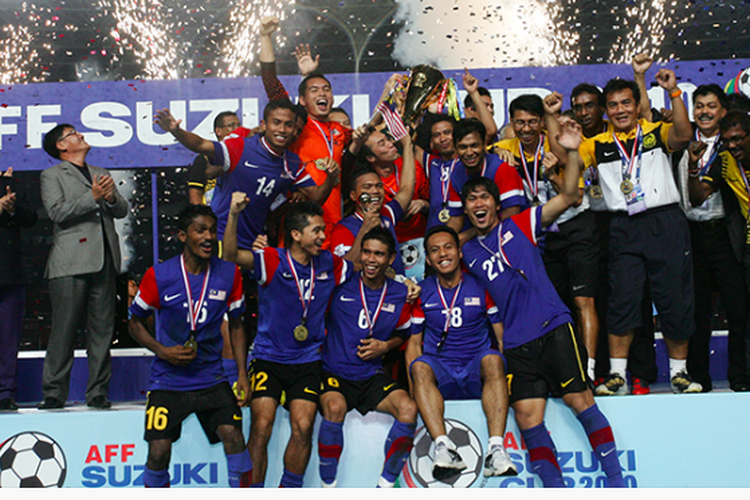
[[75, 172]]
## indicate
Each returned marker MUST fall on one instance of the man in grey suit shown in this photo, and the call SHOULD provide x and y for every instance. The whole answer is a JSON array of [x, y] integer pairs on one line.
[[82, 201]]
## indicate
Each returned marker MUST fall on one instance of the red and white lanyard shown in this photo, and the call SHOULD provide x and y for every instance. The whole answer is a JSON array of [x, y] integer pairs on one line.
[[538, 157], [448, 310], [300, 290], [194, 310], [371, 322], [274, 153]]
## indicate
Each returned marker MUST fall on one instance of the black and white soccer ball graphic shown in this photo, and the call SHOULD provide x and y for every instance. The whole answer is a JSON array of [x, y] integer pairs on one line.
[[743, 82], [409, 254], [467, 445], [32, 460]]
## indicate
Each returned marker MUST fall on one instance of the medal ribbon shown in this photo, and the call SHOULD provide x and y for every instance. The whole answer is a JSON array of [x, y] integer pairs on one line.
[[538, 157], [500, 254], [193, 310], [704, 166], [300, 291], [445, 185], [275, 154], [371, 323], [445, 303], [629, 160], [328, 141]]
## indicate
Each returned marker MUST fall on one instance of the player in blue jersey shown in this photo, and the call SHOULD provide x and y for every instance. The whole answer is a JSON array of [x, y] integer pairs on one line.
[[456, 361], [473, 161], [368, 194], [367, 317], [540, 345], [295, 285], [260, 166], [190, 294]]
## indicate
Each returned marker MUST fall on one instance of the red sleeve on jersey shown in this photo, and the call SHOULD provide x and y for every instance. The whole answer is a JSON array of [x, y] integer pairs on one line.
[[342, 237], [269, 264], [234, 146], [341, 269], [422, 188], [488, 302], [417, 315], [406, 314], [507, 179], [453, 195], [149, 290], [237, 295], [527, 222]]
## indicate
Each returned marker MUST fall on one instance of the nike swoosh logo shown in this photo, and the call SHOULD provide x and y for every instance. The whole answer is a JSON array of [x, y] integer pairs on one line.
[[310, 391], [471, 264], [565, 384], [578, 287], [388, 386], [605, 453], [167, 298], [609, 153], [347, 299], [237, 417], [250, 165], [429, 304]]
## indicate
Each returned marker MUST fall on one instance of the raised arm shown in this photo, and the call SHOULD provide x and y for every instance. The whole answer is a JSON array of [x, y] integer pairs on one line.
[[552, 106], [569, 139], [241, 257], [193, 142], [305, 61], [697, 189], [471, 84], [408, 174], [319, 194], [641, 63], [681, 132]]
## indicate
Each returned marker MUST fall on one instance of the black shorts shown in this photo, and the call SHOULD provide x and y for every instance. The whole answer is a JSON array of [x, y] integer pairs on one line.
[[364, 395], [654, 246], [554, 364], [572, 257], [285, 383], [214, 406]]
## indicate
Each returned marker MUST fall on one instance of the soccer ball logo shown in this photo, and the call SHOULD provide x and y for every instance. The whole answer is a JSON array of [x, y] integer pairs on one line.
[[31, 460], [409, 254], [467, 445]]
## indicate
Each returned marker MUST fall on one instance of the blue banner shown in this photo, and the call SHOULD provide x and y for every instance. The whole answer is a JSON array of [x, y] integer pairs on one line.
[[117, 117]]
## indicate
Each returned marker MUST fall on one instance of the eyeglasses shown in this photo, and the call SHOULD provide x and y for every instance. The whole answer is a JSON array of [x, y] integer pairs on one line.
[[531, 123], [728, 141], [72, 132]]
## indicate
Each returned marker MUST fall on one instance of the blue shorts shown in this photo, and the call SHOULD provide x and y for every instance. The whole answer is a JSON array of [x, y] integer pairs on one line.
[[458, 380]]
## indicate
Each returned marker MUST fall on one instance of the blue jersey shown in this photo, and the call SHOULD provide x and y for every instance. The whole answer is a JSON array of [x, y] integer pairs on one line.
[[252, 168], [163, 290], [438, 172], [468, 328], [347, 325], [345, 232], [527, 302], [504, 176], [281, 308]]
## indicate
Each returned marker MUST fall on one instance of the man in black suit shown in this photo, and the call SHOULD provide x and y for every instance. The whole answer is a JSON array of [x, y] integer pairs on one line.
[[14, 214]]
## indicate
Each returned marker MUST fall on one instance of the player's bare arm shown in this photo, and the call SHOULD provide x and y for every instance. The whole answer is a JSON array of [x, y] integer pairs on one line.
[[570, 140], [178, 355], [319, 194], [241, 257], [698, 189], [408, 174], [471, 85], [239, 349], [681, 132], [641, 63]]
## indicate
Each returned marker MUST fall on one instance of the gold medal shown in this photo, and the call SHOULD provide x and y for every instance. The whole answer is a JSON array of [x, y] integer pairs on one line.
[[626, 186], [191, 343], [536, 202], [320, 164], [444, 216], [596, 192], [300, 333]]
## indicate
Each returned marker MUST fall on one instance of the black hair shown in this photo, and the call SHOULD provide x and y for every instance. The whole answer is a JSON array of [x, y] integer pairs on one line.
[[531, 103], [49, 143], [738, 102], [467, 126], [340, 110], [190, 213], [298, 218], [618, 84], [711, 88], [358, 172], [735, 118], [279, 104], [303, 84], [475, 183], [439, 229], [219, 120], [587, 88], [382, 235], [469, 103]]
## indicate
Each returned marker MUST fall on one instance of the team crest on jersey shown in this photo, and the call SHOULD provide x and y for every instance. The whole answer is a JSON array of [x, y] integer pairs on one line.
[[472, 301], [649, 141], [217, 294]]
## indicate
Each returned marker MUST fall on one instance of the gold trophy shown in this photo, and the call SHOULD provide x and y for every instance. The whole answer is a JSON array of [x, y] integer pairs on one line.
[[424, 84]]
